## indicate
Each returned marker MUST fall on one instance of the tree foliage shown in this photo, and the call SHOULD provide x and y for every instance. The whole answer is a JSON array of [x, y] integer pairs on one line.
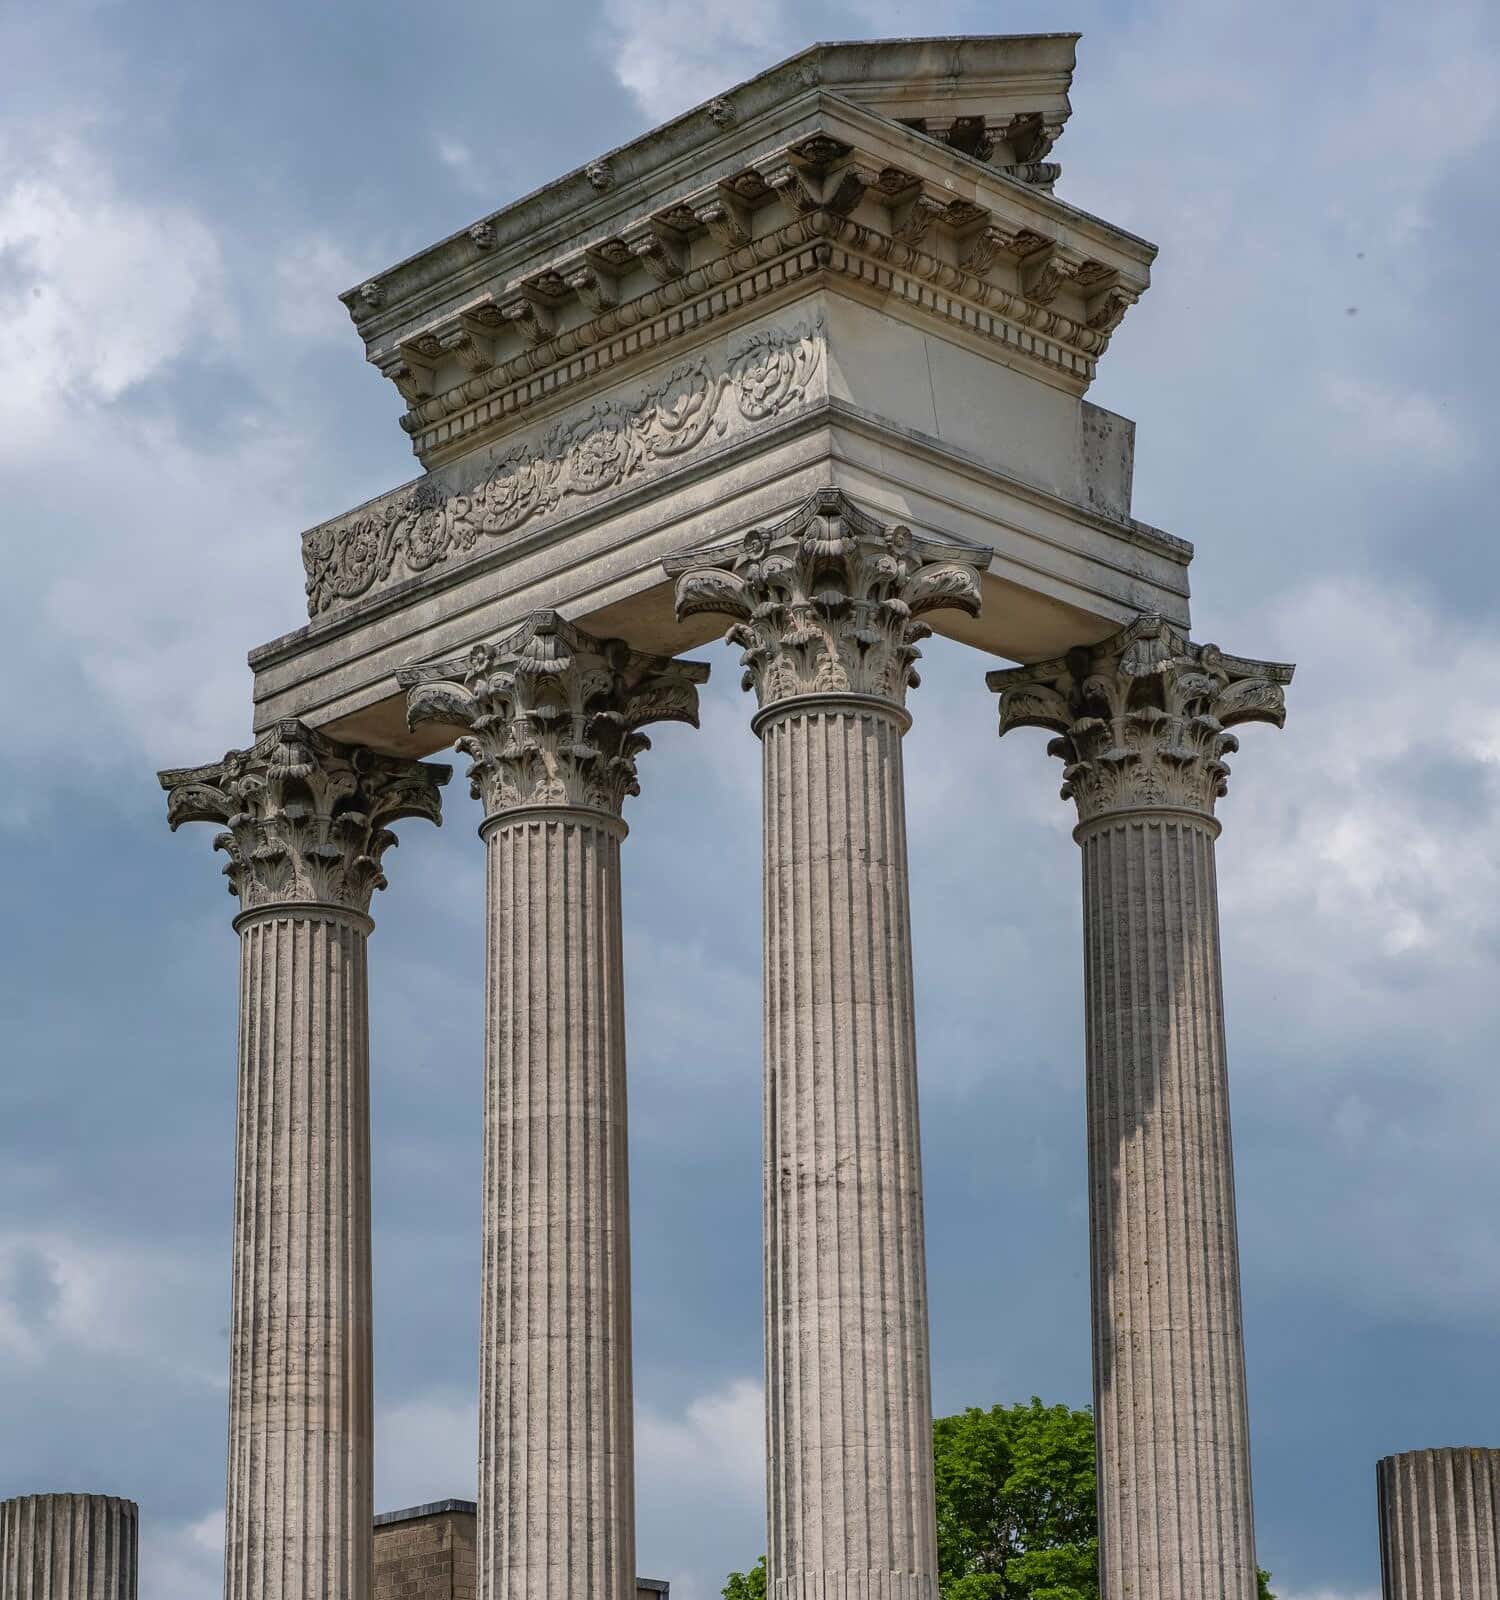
[[1015, 1503], [749, 1585], [1016, 1517]]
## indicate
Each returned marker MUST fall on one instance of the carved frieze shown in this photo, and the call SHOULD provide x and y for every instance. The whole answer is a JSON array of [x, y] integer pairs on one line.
[[306, 818], [829, 600], [1142, 720], [613, 444], [554, 714]]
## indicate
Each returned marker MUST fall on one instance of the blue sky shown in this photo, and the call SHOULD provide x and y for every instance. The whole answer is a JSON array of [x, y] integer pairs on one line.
[[184, 189]]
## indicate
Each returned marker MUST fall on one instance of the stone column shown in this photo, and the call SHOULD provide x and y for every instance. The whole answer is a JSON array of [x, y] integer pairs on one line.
[[1141, 722], [828, 603], [68, 1547], [1440, 1525], [554, 718], [307, 827]]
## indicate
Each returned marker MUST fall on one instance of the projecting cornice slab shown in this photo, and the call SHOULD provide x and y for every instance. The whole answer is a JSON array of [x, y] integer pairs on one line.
[[910, 167]]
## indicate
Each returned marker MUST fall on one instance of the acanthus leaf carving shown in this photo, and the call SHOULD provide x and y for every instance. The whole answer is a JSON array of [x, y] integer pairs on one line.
[[1142, 720], [407, 534], [829, 600], [552, 714], [306, 819]]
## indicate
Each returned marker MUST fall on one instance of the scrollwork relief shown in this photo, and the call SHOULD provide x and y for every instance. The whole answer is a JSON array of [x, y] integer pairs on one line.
[[1142, 720], [599, 452], [553, 715], [829, 600], [306, 818]]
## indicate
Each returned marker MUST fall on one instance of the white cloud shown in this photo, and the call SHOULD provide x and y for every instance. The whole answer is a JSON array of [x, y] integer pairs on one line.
[[1328, 1594], [673, 54], [62, 1296], [310, 276], [700, 1495], [97, 292], [718, 1439], [426, 1448], [183, 1560], [478, 177], [1383, 421]]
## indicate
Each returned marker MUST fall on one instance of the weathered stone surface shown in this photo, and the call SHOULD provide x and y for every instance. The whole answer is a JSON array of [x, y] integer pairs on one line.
[[810, 280], [306, 822], [829, 600], [882, 148], [428, 1553], [68, 1547], [306, 818], [1141, 724], [1440, 1525], [553, 718], [555, 714], [827, 604]]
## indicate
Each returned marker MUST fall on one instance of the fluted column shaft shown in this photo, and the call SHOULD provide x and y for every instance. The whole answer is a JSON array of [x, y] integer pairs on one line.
[[828, 606], [306, 821], [555, 716], [300, 1506], [849, 1409], [1440, 1525], [1143, 723], [68, 1547], [556, 1463], [1176, 1520]]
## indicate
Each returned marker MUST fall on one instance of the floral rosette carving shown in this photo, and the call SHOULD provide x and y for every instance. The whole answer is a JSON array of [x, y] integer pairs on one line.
[[829, 601], [306, 819], [773, 372], [1142, 720], [552, 714], [425, 525]]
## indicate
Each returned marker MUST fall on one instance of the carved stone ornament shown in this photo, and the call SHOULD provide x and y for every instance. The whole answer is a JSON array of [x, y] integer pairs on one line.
[[412, 532], [828, 600], [1142, 719], [306, 818], [553, 713]]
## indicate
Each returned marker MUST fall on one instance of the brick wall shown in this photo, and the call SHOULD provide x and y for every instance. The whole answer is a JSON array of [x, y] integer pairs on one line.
[[427, 1553]]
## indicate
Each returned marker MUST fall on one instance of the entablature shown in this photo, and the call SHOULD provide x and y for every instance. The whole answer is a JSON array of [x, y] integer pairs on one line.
[[814, 170]]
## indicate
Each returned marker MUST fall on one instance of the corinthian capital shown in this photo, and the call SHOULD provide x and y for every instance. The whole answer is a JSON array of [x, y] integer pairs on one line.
[[553, 713], [1142, 719], [828, 600], [306, 818]]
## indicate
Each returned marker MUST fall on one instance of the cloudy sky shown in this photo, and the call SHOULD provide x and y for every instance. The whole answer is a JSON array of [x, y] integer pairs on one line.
[[183, 190]]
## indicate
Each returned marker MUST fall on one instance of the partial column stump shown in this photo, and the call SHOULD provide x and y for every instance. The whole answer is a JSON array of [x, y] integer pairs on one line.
[[1440, 1525], [68, 1547]]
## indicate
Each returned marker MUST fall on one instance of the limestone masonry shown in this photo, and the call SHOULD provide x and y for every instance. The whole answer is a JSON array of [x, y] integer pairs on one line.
[[808, 363], [68, 1547], [805, 369], [1440, 1525]]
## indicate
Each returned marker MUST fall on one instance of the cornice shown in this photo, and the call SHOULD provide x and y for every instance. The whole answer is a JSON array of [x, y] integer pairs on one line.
[[1004, 97], [1040, 298]]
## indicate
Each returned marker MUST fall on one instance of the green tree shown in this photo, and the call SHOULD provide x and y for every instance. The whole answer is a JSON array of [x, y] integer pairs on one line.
[[1016, 1518], [1015, 1504], [749, 1585]]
